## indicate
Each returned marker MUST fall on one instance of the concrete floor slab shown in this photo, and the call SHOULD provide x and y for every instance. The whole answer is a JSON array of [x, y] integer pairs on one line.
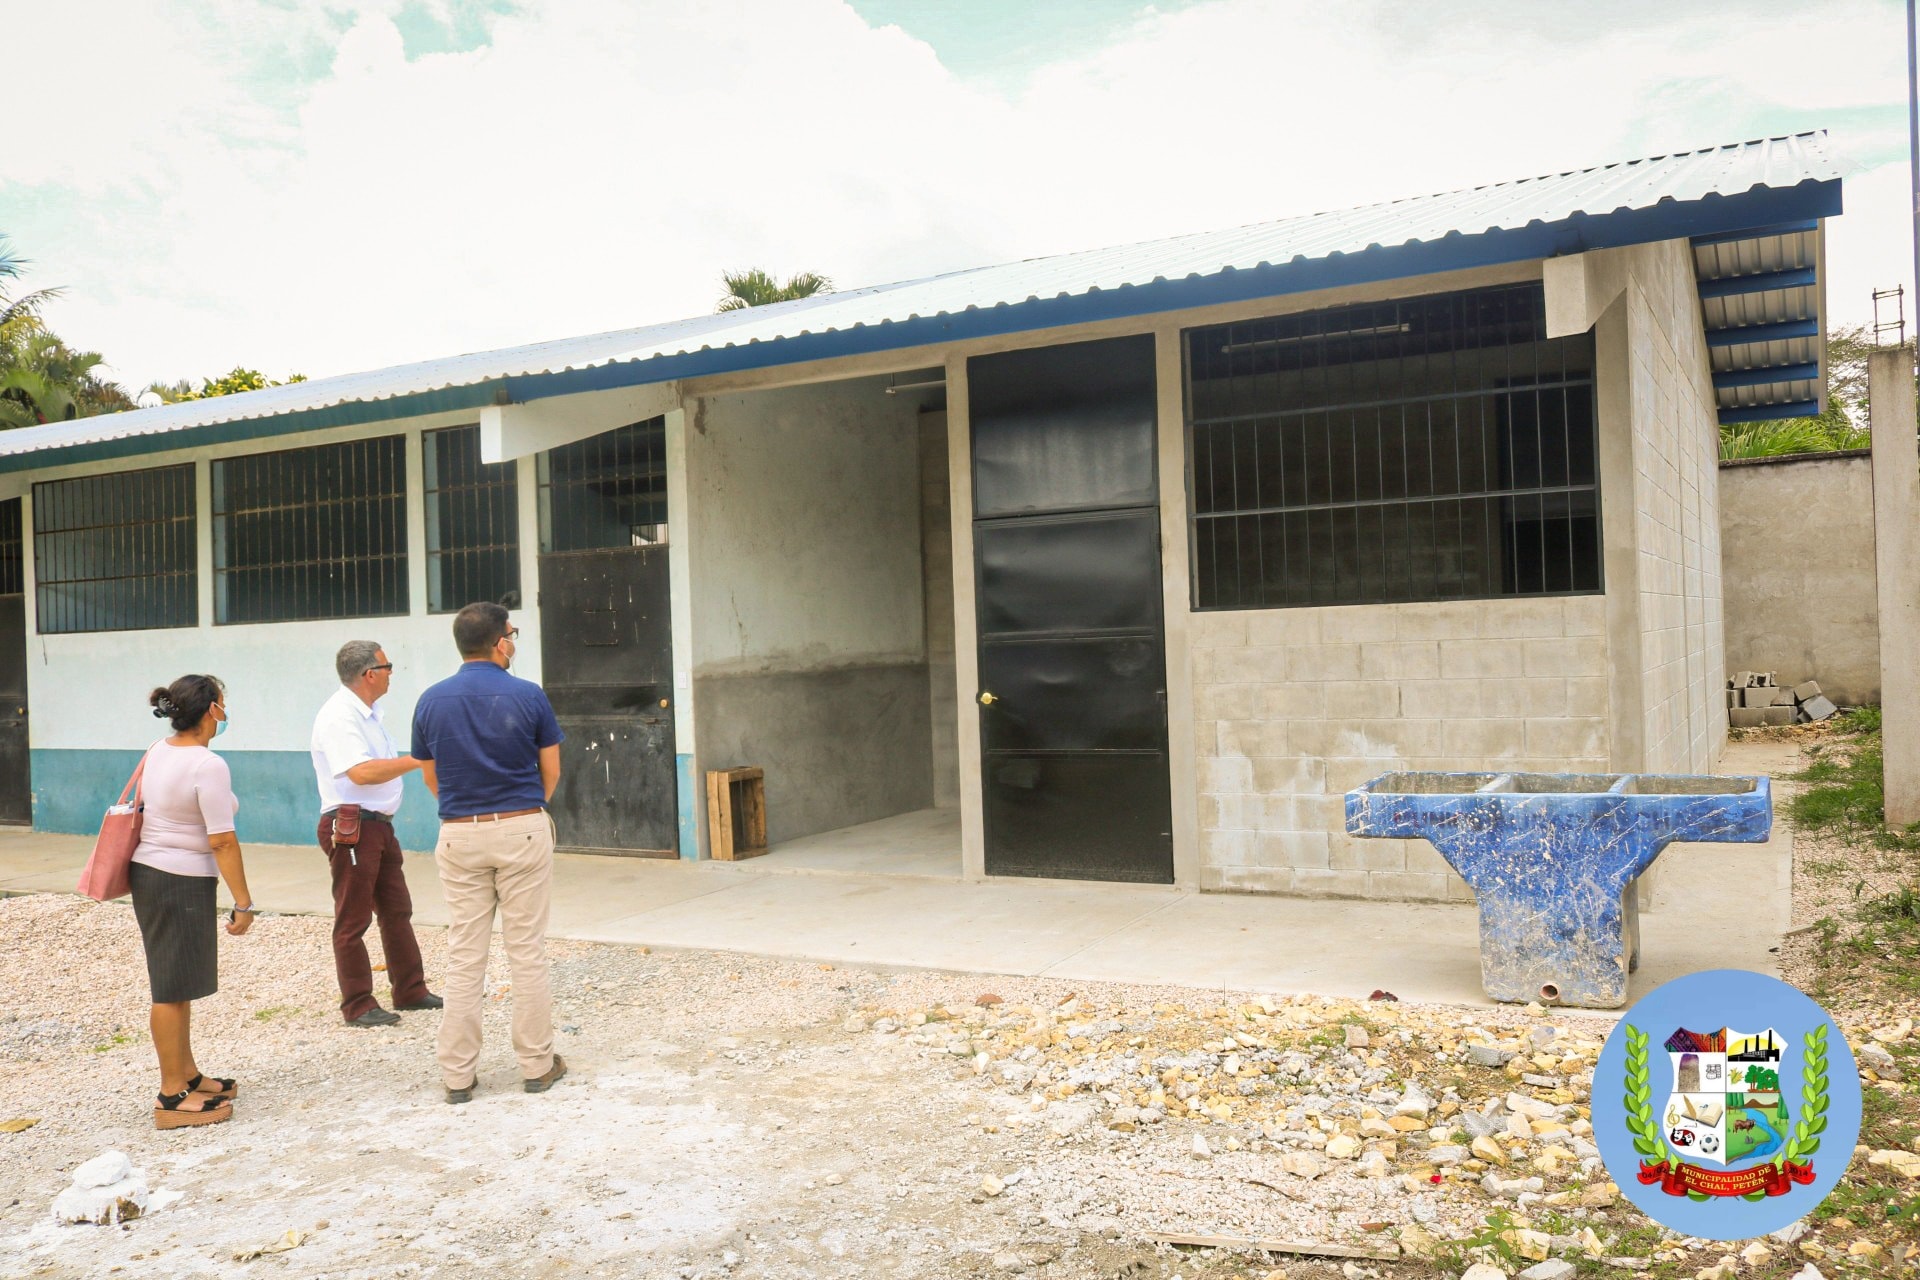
[[992, 927], [923, 843]]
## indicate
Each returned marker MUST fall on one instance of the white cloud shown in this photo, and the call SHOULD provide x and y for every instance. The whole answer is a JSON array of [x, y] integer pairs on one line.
[[233, 181]]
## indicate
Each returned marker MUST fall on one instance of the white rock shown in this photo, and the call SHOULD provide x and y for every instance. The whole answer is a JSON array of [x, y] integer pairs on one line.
[[106, 1189], [1201, 1149], [1551, 1269], [1808, 1272], [1356, 1037], [1790, 1233], [991, 1186], [1413, 1103], [103, 1170], [1303, 1164], [1483, 1271]]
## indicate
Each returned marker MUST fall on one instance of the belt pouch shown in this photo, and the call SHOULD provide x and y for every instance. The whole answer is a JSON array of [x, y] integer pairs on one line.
[[346, 826]]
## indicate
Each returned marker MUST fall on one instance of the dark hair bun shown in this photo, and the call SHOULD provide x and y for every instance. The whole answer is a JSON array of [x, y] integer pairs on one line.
[[163, 708]]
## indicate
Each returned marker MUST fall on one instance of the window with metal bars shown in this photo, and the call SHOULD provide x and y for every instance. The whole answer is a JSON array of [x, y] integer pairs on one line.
[[606, 491], [12, 576], [113, 552], [473, 523], [1435, 448], [319, 532]]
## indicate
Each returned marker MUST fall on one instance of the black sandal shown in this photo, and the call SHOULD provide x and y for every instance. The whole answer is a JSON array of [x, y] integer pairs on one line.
[[168, 1115], [228, 1088]]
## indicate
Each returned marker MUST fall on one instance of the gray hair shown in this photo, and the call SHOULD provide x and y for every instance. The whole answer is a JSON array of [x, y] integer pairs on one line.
[[354, 658]]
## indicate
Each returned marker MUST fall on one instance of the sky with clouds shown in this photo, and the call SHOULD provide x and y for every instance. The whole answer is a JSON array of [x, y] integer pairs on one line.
[[329, 187]]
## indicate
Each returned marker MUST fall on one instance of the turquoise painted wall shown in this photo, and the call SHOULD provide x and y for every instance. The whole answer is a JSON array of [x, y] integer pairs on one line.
[[278, 803]]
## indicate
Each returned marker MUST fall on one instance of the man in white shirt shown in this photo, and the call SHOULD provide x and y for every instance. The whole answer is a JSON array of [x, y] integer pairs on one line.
[[356, 764]]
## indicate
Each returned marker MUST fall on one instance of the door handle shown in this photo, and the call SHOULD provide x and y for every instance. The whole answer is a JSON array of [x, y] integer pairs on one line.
[[987, 699]]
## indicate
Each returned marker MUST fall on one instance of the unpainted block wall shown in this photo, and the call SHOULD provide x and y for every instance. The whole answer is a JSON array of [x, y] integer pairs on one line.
[[1676, 495], [1294, 707], [809, 626], [1797, 560]]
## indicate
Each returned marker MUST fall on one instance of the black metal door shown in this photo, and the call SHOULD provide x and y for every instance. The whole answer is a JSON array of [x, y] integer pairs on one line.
[[607, 663], [1073, 716], [16, 779]]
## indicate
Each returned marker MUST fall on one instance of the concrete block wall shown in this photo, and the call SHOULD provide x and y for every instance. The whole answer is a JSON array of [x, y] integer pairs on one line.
[[1676, 486], [1294, 707], [1798, 570]]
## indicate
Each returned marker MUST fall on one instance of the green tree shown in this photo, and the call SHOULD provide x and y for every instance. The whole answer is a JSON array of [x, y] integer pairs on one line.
[[756, 288], [240, 379]]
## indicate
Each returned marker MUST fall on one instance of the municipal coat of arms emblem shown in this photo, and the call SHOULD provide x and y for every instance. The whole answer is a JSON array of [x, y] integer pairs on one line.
[[1725, 1104], [1725, 1108]]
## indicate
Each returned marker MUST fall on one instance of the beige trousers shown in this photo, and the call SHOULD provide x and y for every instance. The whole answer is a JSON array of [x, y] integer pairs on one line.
[[487, 866]]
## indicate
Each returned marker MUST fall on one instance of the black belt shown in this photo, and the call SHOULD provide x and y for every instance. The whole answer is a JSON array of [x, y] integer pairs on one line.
[[366, 815]]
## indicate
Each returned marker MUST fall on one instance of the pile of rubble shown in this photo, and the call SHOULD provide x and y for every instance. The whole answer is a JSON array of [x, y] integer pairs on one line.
[[1437, 1133], [1753, 699]]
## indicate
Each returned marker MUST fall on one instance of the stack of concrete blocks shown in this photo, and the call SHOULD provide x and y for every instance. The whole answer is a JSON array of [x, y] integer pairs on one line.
[[1753, 699]]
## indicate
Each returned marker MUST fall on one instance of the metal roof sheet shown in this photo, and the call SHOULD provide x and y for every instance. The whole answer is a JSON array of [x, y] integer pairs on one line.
[[1724, 188]]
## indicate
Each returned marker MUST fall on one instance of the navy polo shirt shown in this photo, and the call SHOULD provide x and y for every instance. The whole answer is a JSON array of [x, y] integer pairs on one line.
[[483, 729]]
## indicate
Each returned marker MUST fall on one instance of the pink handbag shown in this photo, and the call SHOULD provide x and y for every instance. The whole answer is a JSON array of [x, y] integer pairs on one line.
[[105, 875]]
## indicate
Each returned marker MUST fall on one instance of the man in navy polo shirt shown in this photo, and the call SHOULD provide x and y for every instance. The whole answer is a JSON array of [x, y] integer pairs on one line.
[[489, 750]]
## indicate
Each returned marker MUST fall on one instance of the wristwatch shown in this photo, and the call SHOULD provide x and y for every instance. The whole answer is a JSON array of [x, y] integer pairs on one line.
[[236, 911]]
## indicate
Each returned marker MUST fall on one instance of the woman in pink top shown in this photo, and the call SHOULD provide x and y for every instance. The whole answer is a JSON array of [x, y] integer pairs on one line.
[[186, 841]]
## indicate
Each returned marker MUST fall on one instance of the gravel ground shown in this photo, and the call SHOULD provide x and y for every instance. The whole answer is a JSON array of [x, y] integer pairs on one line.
[[732, 1116]]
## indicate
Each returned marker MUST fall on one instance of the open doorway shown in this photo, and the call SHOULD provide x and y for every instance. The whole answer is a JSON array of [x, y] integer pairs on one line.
[[821, 572]]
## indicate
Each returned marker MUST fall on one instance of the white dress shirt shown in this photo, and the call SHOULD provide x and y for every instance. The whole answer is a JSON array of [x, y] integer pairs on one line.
[[348, 732]]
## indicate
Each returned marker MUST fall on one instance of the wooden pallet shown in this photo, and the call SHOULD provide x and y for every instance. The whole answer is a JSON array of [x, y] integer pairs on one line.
[[737, 813]]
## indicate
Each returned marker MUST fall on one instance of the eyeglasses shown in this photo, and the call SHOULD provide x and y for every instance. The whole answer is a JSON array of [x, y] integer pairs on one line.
[[381, 666], [513, 633]]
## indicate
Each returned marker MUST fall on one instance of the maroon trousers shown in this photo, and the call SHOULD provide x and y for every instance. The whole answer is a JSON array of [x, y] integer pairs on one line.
[[368, 881]]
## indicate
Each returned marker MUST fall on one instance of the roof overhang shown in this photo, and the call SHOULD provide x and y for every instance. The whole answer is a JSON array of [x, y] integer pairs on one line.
[[1763, 301]]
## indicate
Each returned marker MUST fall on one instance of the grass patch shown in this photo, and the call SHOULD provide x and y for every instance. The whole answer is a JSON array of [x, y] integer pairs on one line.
[[1846, 785], [274, 1011], [117, 1040]]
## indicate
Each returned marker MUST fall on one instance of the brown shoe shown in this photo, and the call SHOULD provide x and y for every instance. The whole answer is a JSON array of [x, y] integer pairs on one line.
[[540, 1084]]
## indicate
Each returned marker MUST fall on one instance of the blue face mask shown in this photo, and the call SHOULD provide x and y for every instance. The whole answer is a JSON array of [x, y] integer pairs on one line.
[[220, 726]]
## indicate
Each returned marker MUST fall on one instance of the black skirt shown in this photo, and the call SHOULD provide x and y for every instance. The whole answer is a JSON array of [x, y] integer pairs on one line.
[[179, 923]]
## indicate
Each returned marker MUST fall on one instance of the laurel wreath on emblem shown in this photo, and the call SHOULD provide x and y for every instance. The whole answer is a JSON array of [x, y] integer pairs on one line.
[[1804, 1141]]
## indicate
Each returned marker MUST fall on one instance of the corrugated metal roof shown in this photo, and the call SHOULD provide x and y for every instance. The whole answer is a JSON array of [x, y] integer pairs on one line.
[[1754, 289], [1715, 190]]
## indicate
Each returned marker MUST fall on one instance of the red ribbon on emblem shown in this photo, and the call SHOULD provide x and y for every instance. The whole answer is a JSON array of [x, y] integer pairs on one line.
[[1692, 1178]]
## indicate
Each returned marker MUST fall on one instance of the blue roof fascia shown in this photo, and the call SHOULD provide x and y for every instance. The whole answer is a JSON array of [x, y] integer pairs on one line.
[[1769, 373], [1714, 214], [1770, 412], [353, 413]]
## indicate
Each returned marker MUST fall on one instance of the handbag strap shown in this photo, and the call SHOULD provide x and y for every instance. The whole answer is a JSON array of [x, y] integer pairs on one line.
[[133, 783]]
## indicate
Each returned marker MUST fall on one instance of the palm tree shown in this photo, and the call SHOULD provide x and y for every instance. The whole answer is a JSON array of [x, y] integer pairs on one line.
[[756, 288], [44, 380], [27, 305]]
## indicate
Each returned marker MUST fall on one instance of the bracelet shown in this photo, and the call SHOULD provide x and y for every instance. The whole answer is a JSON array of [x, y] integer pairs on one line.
[[236, 911]]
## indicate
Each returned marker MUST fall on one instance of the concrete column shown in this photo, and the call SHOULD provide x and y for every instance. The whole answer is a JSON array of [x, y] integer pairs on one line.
[[691, 783], [1176, 564], [966, 633], [526, 661], [1896, 524], [202, 539], [416, 524], [1619, 516]]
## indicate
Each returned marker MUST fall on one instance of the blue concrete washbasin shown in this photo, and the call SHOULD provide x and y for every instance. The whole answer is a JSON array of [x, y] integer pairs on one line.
[[1552, 858]]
